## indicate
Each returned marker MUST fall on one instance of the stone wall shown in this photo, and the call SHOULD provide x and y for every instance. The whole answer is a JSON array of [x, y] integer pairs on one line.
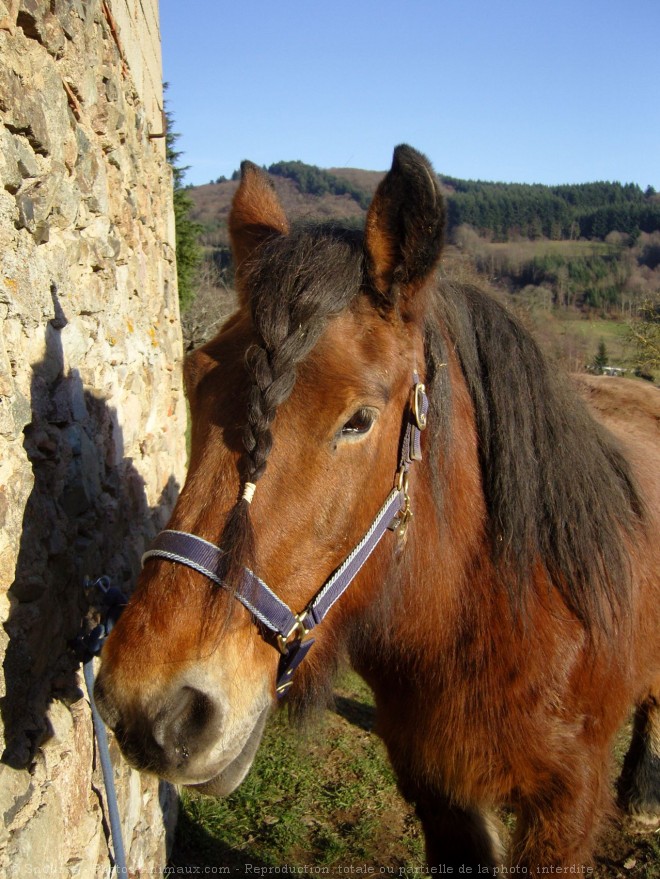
[[92, 417]]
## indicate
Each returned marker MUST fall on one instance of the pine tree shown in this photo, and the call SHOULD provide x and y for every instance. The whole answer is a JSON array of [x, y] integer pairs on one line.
[[601, 359], [188, 250]]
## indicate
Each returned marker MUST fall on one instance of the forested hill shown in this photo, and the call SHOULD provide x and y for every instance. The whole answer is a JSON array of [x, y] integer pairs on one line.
[[586, 210], [500, 210], [567, 256]]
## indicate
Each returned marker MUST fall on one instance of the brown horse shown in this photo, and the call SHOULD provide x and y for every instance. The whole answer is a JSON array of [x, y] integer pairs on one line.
[[506, 627]]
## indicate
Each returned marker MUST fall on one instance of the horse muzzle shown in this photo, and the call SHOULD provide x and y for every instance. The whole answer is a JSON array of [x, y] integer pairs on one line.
[[183, 736]]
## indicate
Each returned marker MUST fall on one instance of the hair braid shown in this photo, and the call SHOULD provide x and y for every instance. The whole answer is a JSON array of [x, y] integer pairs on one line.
[[272, 383], [296, 284]]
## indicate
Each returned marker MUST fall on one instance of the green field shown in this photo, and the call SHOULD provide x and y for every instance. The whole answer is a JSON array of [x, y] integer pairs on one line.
[[572, 339]]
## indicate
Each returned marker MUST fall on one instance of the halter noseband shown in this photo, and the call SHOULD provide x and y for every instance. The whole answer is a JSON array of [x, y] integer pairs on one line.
[[289, 630]]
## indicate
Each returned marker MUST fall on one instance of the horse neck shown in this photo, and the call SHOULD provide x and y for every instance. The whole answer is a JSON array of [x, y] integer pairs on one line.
[[444, 571], [450, 534]]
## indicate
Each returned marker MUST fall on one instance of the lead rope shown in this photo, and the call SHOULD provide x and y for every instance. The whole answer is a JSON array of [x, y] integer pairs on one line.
[[87, 645]]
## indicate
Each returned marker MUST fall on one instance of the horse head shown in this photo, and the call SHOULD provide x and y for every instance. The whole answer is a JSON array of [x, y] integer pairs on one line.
[[299, 409]]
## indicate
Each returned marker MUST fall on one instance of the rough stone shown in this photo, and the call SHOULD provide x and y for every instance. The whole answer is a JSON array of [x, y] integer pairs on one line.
[[92, 414], [25, 111], [10, 173], [35, 201], [39, 24], [28, 165], [15, 790]]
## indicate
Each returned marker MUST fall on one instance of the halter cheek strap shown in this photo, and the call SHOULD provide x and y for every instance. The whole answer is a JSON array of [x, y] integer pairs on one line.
[[275, 619]]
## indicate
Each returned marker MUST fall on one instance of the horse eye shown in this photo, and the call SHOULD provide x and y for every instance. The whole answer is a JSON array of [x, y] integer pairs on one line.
[[360, 423]]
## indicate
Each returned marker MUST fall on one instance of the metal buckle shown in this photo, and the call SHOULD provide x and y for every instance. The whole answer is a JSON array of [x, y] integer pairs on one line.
[[419, 395], [289, 663], [406, 514], [297, 633]]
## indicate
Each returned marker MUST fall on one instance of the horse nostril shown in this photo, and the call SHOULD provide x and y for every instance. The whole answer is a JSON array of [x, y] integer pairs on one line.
[[183, 724], [164, 734], [182, 751], [200, 709]]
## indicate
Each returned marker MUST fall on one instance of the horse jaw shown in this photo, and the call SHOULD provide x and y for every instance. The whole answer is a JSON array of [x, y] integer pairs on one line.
[[226, 781]]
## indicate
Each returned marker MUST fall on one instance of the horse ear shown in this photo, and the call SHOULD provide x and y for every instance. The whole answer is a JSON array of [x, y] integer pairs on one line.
[[405, 225], [256, 213]]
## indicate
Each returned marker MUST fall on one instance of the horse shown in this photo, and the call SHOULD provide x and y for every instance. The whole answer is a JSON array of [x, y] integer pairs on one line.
[[385, 467]]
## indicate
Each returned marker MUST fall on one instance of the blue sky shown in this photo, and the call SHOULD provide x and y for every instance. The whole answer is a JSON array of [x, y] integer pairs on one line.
[[559, 91]]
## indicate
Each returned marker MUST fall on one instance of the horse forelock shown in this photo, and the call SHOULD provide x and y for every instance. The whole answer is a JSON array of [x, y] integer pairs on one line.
[[294, 284]]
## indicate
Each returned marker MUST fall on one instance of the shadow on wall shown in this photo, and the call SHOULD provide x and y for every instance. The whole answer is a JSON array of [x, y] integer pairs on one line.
[[87, 515]]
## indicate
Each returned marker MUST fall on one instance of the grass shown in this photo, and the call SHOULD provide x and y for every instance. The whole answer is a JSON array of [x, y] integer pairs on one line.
[[572, 340], [327, 800]]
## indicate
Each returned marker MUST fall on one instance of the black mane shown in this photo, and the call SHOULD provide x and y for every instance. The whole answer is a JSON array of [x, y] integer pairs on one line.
[[558, 489]]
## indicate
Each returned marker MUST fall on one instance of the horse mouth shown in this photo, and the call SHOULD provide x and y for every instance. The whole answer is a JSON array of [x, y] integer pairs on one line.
[[234, 771]]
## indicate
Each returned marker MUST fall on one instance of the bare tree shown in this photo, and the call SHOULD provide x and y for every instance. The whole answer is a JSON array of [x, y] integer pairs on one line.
[[213, 302], [645, 333]]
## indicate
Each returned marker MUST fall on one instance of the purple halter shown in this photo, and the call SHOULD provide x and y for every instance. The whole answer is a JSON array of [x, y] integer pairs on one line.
[[281, 624]]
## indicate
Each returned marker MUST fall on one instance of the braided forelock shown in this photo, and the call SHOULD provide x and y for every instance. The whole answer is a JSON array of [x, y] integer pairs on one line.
[[296, 283]]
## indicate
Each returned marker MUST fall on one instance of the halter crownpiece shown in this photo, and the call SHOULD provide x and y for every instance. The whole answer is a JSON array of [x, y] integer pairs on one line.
[[278, 624]]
